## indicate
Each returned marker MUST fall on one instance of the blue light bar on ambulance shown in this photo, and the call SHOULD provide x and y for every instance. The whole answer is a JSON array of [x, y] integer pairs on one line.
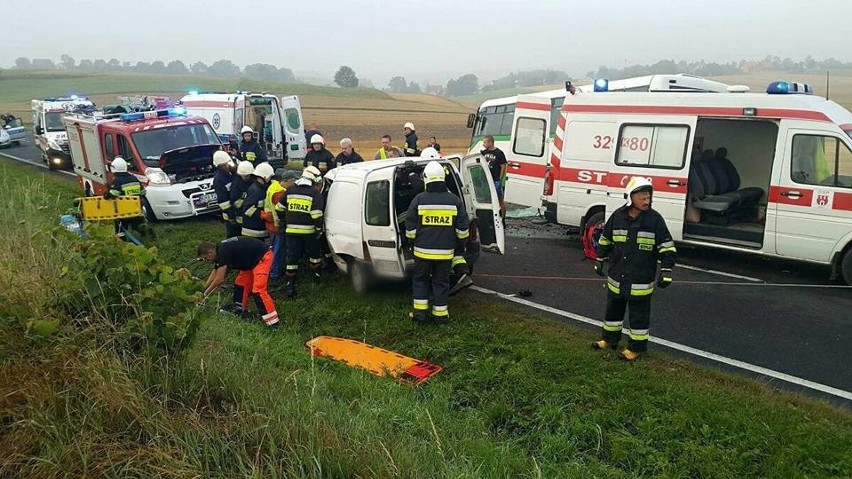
[[601, 84], [149, 115], [788, 88], [193, 92]]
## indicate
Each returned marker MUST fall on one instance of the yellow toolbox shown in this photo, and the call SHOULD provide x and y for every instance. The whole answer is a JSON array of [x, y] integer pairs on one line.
[[97, 208]]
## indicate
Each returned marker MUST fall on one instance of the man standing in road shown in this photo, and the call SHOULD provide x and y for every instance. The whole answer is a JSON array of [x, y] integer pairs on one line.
[[387, 150], [348, 154], [497, 164], [635, 237]]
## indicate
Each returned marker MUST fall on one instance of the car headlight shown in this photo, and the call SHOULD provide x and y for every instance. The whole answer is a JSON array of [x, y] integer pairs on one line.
[[53, 144], [157, 176]]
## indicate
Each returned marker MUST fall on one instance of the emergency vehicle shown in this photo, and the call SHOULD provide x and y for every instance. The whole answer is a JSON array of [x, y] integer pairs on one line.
[[526, 163], [277, 123], [766, 173], [366, 207], [171, 154], [48, 130]]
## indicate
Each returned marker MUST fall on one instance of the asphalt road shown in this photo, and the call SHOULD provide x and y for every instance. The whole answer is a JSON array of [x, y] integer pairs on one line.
[[800, 331]]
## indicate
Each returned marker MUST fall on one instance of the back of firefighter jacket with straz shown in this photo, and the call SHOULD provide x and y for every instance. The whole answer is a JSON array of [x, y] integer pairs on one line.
[[300, 210], [436, 221]]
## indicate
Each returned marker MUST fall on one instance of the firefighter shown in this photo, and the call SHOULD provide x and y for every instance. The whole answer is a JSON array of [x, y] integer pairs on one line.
[[221, 186], [300, 213], [250, 149], [319, 157], [411, 148], [125, 184], [635, 237], [437, 224], [281, 182], [253, 223], [239, 185], [253, 259]]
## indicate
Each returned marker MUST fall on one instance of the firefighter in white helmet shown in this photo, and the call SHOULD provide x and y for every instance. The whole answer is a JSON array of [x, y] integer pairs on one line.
[[634, 238], [252, 209], [411, 147], [300, 212], [429, 152], [250, 149], [239, 185], [125, 184], [437, 225], [319, 157], [221, 186]]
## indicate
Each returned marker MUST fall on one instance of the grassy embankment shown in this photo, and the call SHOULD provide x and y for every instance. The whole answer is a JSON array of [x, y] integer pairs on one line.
[[520, 396]]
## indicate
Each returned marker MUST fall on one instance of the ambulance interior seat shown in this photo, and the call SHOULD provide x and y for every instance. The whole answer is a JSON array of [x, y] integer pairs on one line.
[[714, 187]]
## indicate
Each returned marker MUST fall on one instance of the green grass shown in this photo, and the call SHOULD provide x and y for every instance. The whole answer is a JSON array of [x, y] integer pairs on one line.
[[520, 395], [20, 86]]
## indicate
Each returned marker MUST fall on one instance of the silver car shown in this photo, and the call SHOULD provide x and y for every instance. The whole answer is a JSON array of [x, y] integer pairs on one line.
[[16, 131], [5, 139]]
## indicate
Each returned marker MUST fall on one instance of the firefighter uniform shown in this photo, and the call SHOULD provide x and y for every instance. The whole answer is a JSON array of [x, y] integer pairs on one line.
[[125, 184], [222, 186], [253, 259], [300, 212], [253, 204], [252, 151], [239, 187], [437, 224], [633, 245], [323, 160]]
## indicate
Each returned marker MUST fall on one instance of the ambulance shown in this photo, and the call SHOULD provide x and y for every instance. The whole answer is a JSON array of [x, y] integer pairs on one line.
[[169, 152], [765, 173], [48, 130], [526, 165], [278, 123]]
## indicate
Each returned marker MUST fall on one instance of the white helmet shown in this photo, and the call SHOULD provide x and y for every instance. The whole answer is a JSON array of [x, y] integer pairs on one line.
[[433, 172], [245, 168], [311, 173], [317, 139], [635, 185], [409, 125], [221, 158], [246, 129], [429, 152], [119, 165], [264, 170]]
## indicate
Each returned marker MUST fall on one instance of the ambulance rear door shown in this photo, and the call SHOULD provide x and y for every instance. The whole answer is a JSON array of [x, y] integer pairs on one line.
[[294, 127], [529, 150], [480, 198]]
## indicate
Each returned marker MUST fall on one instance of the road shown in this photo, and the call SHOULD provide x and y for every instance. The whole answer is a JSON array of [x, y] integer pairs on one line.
[[720, 304], [732, 311], [29, 153]]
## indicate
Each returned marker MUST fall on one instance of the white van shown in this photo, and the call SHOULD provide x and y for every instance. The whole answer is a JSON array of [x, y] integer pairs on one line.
[[766, 173], [278, 123], [365, 214]]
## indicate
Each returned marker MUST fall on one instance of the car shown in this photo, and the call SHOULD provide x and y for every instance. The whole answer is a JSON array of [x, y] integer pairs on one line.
[[15, 129], [5, 139], [365, 210]]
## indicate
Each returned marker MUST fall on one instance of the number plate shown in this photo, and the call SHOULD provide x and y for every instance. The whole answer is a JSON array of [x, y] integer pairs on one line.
[[204, 201]]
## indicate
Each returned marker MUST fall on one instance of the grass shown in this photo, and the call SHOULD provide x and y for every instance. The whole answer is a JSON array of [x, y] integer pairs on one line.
[[520, 395]]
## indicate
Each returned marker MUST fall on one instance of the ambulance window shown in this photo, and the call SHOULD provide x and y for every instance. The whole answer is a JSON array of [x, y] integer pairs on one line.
[[652, 146], [108, 146], [529, 137], [293, 122], [555, 107], [821, 160], [377, 208], [495, 121]]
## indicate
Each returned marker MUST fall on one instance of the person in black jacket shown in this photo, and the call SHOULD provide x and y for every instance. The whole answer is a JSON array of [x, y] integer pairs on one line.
[[125, 184], [239, 186], [250, 149], [221, 186], [635, 237], [319, 157], [300, 211], [348, 155], [253, 222], [411, 147]]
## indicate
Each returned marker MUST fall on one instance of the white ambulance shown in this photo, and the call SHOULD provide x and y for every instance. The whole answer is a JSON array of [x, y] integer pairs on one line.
[[48, 130], [278, 123], [527, 158], [766, 173]]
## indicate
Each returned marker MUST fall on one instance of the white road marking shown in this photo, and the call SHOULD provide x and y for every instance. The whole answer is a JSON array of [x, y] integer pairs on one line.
[[683, 348], [720, 273], [33, 162]]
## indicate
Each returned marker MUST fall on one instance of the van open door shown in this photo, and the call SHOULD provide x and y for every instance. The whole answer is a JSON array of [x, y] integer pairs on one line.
[[294, 127], [480, 197]]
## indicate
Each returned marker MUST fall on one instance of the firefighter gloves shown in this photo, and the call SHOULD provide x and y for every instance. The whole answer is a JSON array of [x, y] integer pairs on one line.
[[664, 279]]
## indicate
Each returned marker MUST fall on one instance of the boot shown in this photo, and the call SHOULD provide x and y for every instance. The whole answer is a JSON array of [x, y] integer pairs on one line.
[[440, 319], [464, 282], [290, 288], [233, 308], [420, 317], [629, 355], [602, 344]]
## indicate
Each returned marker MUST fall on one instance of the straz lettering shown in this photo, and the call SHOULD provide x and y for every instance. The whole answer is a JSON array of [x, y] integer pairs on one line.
[[437, 220], [301, 207], [587, 176]]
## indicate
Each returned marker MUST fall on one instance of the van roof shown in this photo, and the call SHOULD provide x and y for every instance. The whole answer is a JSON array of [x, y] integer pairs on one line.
[[363, 168]]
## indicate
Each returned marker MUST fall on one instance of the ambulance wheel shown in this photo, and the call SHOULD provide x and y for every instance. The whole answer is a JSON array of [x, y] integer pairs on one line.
[[596, 220], [846, 267], [147, 212], [360, 276]]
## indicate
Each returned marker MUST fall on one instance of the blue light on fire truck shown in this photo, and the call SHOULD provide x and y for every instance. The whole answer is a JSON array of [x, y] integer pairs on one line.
[[789, 88], [74, 97], [142, 115], [601, 84], [178, 111]]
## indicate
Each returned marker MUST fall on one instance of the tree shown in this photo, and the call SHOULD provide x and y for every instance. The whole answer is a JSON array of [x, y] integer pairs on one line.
[[397, 84], [158, 67], [125, 66], [100, 65], [414, 87], [23, 62], [176, 67], [198, 68], [114, 64], [224, 69], [67, 61], [261, 71], [463, 85], [85, 64], [142, 67], [43, 64], [346, 78]]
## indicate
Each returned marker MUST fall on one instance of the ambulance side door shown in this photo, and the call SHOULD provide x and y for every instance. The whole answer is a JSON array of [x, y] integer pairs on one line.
[[528, 151], [658, 149], [294, 127], [812, 197], [381, 235], [480, 198]]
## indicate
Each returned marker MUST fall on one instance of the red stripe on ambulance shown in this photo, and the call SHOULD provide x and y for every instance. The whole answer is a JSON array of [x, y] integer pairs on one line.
[[781, 113], [842, 201], [532, 106], [791, 196]]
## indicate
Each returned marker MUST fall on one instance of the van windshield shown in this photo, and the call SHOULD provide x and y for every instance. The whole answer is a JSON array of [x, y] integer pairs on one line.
[[849, 132], [153, 143], [53, 121]]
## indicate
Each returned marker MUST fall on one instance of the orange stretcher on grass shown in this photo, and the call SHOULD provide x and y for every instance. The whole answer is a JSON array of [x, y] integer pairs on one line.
[[378, 361]]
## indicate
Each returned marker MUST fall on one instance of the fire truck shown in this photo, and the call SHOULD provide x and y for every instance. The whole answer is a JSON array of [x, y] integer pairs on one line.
[[171, 154]]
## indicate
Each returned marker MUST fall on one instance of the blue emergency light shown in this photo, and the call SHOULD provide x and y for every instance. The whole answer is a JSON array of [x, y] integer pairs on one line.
[[193, 92], [601, 84], [789, 88], [149, 115]]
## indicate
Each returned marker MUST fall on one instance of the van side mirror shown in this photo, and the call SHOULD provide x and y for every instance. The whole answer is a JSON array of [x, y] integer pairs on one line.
[[39, 130], [471, 120]]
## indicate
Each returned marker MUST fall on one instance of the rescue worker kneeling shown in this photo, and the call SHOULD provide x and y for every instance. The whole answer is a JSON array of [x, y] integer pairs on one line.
[[300, 212], [634, 237], [252, 258], [126, 184], [437, 223]]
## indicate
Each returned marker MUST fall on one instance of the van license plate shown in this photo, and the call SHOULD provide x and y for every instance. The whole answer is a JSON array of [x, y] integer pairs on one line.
[[207, 200]]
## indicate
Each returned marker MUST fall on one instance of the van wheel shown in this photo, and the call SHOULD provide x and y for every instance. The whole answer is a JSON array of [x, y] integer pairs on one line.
[[147, 212], [846, 267], [594, 221], [360, 276]]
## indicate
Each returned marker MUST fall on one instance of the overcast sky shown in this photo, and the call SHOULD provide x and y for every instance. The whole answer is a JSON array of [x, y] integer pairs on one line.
[[426, 40]]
